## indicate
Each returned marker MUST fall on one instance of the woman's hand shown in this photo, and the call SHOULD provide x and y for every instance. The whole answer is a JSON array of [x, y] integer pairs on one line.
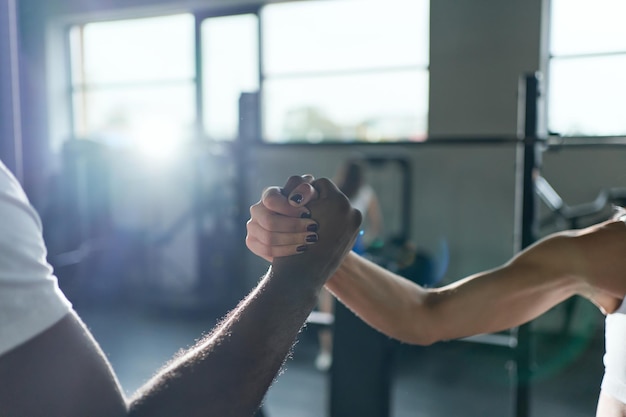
[[280, 223]]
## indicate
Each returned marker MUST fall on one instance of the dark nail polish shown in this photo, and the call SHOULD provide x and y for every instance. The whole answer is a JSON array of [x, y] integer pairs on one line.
[[302, 248], [306, 216], [311, 238], [311, 228], [296, 198]]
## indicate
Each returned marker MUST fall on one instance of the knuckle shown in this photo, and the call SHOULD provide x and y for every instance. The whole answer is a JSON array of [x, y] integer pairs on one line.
[[254, 247], [273, 239], [254, 208], [270, 199], [264, 237], [273, 252], [252, 227], [265, 192], [269, 194], [323, 182], [344, 203], [257, 234], [273, 223], [262, 221], [292, 182], [357, 217]]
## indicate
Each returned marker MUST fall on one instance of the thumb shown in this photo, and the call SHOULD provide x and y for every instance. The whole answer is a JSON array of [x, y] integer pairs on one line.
[[324, 187]]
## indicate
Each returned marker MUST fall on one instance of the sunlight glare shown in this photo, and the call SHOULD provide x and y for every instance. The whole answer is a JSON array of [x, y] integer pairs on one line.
[[156, 139]]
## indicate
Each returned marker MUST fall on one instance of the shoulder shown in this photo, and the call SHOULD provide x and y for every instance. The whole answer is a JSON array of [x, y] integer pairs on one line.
[[59, 372], [30, 300]]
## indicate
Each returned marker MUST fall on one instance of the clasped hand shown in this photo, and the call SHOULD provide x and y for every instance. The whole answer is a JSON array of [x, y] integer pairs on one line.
[[307, 217]]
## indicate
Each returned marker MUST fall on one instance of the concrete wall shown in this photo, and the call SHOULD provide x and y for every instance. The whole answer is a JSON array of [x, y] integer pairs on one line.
[[457, 200], [479, 49]]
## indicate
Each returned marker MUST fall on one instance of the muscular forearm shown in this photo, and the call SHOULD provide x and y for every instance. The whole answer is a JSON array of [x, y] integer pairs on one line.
[[228, 373], [382, 299], [486, 302]]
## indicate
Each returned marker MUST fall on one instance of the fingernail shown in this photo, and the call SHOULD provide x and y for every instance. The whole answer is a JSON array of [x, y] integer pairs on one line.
[[312, 227], [307, 215], [311, 238], [296, 198], [302, 248]]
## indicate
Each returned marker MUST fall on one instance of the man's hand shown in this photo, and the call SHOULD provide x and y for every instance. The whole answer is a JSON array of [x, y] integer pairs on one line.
[[285, 220]]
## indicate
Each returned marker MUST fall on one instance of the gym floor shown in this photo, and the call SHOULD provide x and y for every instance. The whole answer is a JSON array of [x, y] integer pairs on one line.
[[449, 378]]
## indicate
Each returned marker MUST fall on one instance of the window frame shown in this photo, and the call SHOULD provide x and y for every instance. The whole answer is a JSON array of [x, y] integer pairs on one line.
[[200, 14], [331, 73], [549, 58]]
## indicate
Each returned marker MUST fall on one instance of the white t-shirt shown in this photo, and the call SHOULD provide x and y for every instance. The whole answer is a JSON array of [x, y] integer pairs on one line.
[[30, 299], [614, 381]]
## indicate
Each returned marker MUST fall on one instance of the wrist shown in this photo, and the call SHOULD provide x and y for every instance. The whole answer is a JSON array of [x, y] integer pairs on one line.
[[294, 275], [347, 268]]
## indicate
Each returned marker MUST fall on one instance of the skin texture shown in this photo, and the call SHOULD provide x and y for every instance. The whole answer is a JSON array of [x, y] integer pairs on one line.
[[588, 262], [62, 372], [610, 407], [229, 373]]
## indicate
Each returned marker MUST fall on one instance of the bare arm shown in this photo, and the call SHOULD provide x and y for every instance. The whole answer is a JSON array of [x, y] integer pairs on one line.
[[62, 372], [59, 373], [228, 373], [609, 406], [50, 365], [590, 262], [490, 301]]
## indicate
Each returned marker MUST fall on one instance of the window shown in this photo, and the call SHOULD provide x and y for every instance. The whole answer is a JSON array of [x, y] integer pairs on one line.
[[230, 66], [331, 73], [324, 69], [133, 82], [587, 91]]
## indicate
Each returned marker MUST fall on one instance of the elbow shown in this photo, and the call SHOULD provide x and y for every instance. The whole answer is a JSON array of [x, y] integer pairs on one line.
[[422, 327], [422, 341], [422, 337]]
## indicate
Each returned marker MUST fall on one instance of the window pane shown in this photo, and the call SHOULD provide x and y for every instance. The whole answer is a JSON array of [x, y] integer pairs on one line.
[[230, 66], [337, 35], [584, 26], [138, 50], [136, 117], [375, 107], [588, 96]]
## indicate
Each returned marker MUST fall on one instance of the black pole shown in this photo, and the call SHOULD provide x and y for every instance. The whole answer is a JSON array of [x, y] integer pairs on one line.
[[528, 163]]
